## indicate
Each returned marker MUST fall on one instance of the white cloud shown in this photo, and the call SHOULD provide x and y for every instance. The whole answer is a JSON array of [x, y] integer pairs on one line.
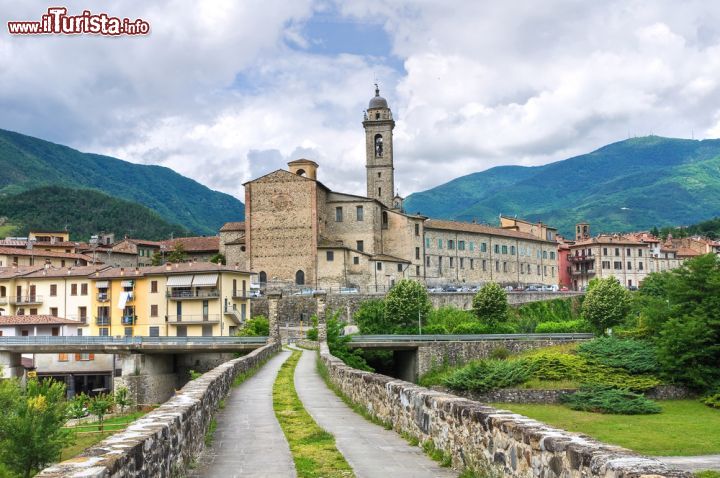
[[217, 93]]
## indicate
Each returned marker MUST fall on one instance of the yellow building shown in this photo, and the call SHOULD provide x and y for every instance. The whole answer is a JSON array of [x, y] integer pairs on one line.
[[187, 299]]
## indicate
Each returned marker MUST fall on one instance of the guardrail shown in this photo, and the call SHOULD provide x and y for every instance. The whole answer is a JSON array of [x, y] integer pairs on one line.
[[463, 338], [137, 340]]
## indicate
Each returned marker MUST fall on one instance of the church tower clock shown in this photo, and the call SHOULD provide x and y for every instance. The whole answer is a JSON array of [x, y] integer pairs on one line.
[[379, 124]]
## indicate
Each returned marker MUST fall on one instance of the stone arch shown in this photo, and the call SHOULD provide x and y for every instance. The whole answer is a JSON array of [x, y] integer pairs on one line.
[[300, 278], [301, 172]]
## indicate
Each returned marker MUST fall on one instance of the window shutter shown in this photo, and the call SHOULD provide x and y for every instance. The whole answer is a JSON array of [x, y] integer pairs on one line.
[[91, 357], [77, 357]]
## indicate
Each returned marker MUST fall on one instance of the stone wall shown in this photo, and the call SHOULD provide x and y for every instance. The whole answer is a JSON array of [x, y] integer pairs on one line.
[[521, 395], [307, 344], [292, 307], [494, 442], [163, 442]]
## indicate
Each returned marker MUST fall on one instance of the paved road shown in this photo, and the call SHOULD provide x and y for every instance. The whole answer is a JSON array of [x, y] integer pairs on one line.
[[693, 463], [249, 441], [370, 450]]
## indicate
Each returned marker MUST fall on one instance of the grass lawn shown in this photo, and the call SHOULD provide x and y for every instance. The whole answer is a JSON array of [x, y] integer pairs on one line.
[[82, 441], [685, 427]]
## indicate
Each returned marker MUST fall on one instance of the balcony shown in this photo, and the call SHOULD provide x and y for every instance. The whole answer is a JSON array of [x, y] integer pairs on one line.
[[185, 294], [103, 297], [583, 272], [129, 319], [193, 319], [240, 294], [26, 300], [581, 258], [102, 320]]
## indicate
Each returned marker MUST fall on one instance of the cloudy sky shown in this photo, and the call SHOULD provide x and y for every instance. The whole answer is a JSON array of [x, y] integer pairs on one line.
[[225, 90]]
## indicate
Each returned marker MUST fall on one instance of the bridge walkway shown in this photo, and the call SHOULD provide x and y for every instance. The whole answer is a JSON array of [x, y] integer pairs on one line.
[[370, 450], [248, 441]]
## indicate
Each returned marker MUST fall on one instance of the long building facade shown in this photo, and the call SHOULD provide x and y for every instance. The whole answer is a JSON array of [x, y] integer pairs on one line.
[[298, 232]]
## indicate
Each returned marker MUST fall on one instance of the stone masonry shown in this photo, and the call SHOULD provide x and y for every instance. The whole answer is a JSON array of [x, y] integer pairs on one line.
[[495, 442], [163, 442]]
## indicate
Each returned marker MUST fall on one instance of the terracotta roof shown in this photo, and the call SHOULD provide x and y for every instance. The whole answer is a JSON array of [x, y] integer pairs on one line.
[[240, 241], [9, 251], [388, 258], [167, 269], [13, 243], [9, 272], [610, 239], [79, 271], [36, 320], [233, 226], [480, 229], [195, 244], [687, 252]]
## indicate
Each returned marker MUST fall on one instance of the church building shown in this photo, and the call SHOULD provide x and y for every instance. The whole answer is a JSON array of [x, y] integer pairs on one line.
[[299, 232]]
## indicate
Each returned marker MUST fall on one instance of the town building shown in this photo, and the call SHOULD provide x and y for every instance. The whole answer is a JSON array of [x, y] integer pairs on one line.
[[232, 243], [298, 232], [200, 248]]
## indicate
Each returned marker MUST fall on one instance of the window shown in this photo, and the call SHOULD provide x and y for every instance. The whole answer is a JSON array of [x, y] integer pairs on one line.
[[552, 254], [462, 263], [452, 263], [153, 286], [606, 264], [417, 253], [82, 312], [84, 357], [427, 261], [504, 249], [617, 251], [484, 265], [299, 278], [154, 331], [497, 266], [62, 357], [417, 229], [54, 311], [451, 244], [359, 213], [83, 289], [522, 268], [427, 242], [79, 332], [417, 270], [440, 263], [181, 331], [360, 246], [544, 254], [207, 330], [472, 246], [104, 331], [640, 266], [262, 277], [400, 269], [379, 266], [629, 265], [128, 332], [497, 249], [53, 291], [33, 311], [617, 265], [338, 214], [639, 252], [330, 256], [384, 220], [73, 289], [356, 260], [483, 247], [439, 243], [628, 252], [504, 266], [512, 250], [472, 263], [461, 245], [538, 269], [553, 271], [605, 251], [154, 310], [544, 270]]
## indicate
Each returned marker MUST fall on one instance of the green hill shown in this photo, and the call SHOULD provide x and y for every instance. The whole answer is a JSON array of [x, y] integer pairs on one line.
[[630, 185], [27, 163], [84, 211]]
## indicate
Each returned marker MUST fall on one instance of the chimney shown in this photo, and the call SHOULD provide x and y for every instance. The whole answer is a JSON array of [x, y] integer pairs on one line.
[[47, 263], [168, 266], [137, 271], [122, 271]]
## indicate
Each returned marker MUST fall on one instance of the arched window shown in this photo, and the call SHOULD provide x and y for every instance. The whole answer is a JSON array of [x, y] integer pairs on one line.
[[300, 172], [3, 291], [263, 277], [300, 278], [378, 145]]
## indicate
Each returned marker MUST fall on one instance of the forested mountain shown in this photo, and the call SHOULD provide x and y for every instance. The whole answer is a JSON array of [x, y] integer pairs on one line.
[[84, 212], [27, 163], [630, 185]]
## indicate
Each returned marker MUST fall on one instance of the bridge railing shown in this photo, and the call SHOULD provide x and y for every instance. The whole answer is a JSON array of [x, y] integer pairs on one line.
[[84, 340], [464, 338]]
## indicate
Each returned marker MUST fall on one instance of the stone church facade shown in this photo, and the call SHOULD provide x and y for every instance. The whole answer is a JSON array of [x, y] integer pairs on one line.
[[299, 232]]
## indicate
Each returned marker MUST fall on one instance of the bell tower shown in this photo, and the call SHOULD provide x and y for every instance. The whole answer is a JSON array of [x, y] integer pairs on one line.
[[378, 123]]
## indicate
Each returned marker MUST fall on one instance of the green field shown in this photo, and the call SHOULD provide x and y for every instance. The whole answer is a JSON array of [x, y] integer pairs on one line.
[[88, 435], [684, 428]]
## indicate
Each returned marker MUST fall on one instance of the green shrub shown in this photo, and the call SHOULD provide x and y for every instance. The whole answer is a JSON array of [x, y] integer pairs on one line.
[[607, 303], [486, 375], [434, 329], [555, 366], [603, 399], [472, 328], [567, 327], [490, 304], [449, 317], [407, 301], [312, 334], [258, 326], [499, 353], [635, 356], [712, 400], [370, 317], [529, 316], [602, 375]]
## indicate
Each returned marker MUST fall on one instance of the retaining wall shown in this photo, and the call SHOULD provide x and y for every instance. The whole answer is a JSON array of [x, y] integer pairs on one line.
[[163, 442], [495, 442]]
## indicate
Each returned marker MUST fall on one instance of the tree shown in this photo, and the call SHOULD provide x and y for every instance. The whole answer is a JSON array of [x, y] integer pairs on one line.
[[338, 344], [122, 399], [31, 425], [177, 254], [490, 304], [156, 259], [606, 304], [258, 326], [76, 407], [99, 406], [370, 317], [218, 259], [655, 231], [405, 305]]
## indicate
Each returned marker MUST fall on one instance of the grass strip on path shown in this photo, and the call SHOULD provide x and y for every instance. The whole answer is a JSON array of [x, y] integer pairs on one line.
[[683, 428], [313, 449]]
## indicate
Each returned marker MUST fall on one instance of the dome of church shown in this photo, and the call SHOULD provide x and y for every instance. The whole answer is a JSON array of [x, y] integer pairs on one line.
[[377, 101]]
